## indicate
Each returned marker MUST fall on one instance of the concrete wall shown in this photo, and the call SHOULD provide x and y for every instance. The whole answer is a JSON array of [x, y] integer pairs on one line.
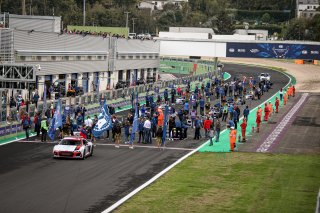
[[183, 35], [234, 37], [190, 30], [193, 48]]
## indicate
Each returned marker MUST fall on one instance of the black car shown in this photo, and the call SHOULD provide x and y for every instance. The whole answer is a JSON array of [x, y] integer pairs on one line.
[[140, 81], [150, 80], [79, 91], [60, 89], [122, 84]]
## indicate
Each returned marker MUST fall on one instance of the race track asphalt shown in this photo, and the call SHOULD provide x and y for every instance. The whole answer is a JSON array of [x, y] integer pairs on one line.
[[31, 181]]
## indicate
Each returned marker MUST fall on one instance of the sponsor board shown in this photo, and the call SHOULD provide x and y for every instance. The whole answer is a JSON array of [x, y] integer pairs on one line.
[[273, 50]]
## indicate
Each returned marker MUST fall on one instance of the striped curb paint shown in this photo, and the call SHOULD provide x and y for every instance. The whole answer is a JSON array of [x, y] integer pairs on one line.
[[264, 147]]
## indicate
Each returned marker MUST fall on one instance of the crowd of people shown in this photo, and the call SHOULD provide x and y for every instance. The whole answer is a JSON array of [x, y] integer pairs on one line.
[[195, 112], [85, 33], [205, 109]]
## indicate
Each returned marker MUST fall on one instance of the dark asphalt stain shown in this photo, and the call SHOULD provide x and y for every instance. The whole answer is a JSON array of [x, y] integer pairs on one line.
[[305, 121], [19, 155], [272, 122]]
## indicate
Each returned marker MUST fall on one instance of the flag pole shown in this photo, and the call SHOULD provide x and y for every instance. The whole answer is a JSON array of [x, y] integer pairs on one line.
[[164, 133], [135, 123]]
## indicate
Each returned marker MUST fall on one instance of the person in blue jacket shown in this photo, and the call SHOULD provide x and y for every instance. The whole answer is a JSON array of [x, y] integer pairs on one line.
[[230, 110], [165, 94], [154, 122], [230, 123], [143, 110], [186, 107], [179, 128], [235, 118], [246, 112], [201, 103], [140, 128]]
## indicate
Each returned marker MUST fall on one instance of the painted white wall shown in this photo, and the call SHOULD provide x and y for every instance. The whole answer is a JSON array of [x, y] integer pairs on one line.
[[235, 37], [183, 35], [193, 48]]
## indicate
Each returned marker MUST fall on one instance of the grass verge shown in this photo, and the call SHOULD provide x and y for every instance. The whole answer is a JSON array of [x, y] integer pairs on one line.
[[234, 182]]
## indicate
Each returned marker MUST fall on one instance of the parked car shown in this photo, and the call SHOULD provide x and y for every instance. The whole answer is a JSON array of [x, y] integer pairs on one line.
[[122, 84], [140, 36], [60, 89], [132, 35], [79, 91], [147, 36], [150, 80], [144, 36], [140, 81]]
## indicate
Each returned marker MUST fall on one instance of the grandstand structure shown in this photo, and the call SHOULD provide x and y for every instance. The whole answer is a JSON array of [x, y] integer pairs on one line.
[[79, 60]]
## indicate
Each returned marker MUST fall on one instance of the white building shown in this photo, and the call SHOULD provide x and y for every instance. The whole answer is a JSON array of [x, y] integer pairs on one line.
[[158, 5], [82, 61], [187, 33], [32, 23], [307, 8], [261, 35], [191, 30]]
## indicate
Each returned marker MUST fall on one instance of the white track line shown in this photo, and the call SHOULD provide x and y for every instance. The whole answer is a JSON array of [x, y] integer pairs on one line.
[[280, 127], [149, 147], [154, 178], [121, 145], [318, 203], [52, 142]]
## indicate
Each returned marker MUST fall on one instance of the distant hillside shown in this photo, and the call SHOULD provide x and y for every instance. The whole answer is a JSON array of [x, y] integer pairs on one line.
[[223, 16]]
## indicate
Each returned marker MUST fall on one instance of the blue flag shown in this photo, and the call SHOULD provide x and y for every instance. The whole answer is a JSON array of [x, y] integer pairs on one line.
[[52, 130], [98, 89], [134, 126], [44, 98], [135, 121], [104, 121], [56, 121], [164, 134]]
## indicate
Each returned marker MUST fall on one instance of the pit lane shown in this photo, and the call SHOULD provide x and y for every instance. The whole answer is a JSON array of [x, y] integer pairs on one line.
[[31, 181]]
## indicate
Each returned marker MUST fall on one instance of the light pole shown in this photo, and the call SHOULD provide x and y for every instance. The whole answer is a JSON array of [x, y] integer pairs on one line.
[[127, 18], [84, 12]]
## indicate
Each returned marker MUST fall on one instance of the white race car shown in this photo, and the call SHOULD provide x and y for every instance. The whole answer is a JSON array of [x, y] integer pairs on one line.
[[264, 76], [180, 100], [73, 147]]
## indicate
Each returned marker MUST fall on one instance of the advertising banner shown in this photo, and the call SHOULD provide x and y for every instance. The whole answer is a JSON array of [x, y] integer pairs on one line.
[[273, 50]]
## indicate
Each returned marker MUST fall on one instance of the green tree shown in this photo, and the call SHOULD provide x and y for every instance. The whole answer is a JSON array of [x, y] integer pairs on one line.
[[266, 18], [296, 29], [314, 27]]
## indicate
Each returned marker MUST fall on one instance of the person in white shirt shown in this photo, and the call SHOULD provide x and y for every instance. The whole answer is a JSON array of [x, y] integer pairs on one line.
[[88, 122], [147, 131]]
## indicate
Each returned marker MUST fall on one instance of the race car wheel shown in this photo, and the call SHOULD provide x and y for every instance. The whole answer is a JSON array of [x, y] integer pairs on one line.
[[84, 155], [91, 153]]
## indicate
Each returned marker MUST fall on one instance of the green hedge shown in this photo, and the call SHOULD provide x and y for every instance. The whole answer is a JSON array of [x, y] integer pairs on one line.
[[276, 15]]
